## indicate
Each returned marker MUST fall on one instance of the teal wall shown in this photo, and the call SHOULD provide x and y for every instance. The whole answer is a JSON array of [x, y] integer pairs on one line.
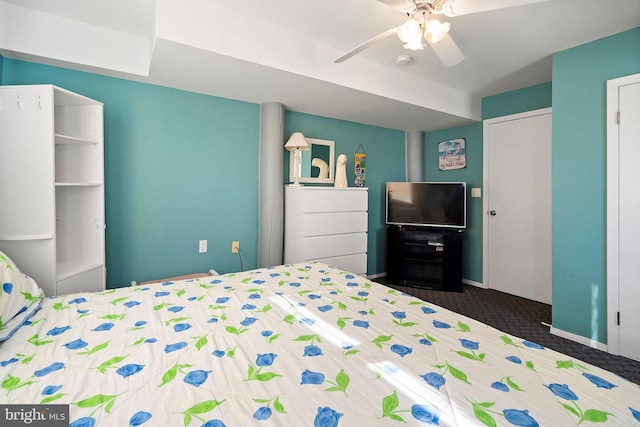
[[181, 167], [579, 179], [517, 101], [472, 175], [385, 162]]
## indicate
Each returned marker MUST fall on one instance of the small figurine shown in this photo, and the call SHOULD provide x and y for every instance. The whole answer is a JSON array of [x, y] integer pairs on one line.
[[341, 172], [323, 166]]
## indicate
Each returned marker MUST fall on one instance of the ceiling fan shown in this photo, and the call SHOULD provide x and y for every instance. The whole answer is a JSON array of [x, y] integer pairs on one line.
[[422, 25]]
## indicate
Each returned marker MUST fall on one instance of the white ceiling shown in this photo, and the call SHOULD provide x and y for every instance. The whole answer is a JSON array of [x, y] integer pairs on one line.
[[283, 51]]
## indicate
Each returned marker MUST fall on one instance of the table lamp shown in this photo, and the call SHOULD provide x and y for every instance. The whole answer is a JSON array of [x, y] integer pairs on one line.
[[294, 145]]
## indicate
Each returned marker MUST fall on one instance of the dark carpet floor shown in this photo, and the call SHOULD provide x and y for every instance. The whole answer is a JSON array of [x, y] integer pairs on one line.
[[522, 318]]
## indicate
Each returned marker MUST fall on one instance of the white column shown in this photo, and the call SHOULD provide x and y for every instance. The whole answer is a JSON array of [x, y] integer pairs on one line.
[[270, 185], [414, 161]]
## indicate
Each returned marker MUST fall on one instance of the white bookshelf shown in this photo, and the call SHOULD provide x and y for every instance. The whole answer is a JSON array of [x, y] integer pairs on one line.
[[52, 183]]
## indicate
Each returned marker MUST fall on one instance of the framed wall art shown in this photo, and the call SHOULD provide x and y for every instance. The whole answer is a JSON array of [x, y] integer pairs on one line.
[[451, 154]]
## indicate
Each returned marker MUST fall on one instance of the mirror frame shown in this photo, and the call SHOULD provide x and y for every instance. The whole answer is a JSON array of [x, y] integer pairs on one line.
[[310, 180]]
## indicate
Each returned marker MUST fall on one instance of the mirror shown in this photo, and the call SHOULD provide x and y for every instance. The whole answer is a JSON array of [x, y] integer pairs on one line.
[[315, 165]]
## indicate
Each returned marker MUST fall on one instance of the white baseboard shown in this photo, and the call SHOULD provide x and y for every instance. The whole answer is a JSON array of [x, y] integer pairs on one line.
[[377, 275], [473, 283], [579, 339]]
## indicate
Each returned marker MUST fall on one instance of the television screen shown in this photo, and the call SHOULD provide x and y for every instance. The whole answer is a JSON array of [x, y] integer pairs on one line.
[[429, 204]]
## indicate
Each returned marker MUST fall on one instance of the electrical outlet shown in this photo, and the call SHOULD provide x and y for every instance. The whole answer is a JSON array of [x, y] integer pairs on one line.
[[202, 246], [235, 247]]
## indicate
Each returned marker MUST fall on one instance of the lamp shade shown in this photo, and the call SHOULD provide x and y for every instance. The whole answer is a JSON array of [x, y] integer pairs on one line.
[[409, 31], [297, 142], [436, 30]]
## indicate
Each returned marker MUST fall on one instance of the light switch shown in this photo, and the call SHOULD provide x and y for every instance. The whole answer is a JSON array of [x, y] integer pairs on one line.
[[476, 192]]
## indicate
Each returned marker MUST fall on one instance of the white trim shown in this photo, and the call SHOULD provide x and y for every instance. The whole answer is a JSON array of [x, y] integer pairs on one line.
[[474, 283], [613, 260], [578, 338], [377, 275], [26, 236], [485, 182]]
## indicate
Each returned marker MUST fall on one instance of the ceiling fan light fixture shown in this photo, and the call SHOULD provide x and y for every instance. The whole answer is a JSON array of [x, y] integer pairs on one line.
[[409, 31], [436, 30], [411, 35], [414, 45], [449, 8]]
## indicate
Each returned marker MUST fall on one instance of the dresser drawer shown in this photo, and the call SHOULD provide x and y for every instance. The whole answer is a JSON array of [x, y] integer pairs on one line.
[[320, 224], [334, 200], [319, 200], [353, 200], [333, 245]]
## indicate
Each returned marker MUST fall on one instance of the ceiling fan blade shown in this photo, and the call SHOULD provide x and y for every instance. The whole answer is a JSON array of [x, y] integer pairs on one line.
[[448, 51], [465, 7], [366, 44]]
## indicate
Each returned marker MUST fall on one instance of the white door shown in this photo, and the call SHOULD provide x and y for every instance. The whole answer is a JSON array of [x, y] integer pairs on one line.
[[627, 316], [517, 203]]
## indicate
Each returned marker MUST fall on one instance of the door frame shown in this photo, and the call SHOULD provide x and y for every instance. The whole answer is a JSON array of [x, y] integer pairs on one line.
[[613, 226], [485, 181]]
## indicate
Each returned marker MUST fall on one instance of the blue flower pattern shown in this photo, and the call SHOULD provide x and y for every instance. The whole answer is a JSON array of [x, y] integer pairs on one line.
[[76, 344], [327, 417], [309, 377], [428, 414], [266, 359], [434, 379], [520, 418], [304, 324], [599, 382], [7, 287], [139, 418], [129, 369], [196, 378]]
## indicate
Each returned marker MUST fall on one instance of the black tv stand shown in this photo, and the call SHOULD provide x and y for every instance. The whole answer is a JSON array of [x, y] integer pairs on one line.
[[424, 257]]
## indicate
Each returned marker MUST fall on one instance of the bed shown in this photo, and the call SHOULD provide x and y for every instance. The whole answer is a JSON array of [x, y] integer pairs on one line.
[[291, 345]]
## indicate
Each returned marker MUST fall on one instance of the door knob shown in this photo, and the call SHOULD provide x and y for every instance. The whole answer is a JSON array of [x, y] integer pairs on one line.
[[492, 212]]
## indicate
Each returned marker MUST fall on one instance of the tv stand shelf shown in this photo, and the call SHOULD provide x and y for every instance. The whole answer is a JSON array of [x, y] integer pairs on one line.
[[424, 258]]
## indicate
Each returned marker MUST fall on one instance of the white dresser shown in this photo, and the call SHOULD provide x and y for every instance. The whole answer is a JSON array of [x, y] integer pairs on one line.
[[327, 224]]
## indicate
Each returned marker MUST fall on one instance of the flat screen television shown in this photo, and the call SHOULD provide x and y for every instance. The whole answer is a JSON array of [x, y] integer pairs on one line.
[[427, 204]]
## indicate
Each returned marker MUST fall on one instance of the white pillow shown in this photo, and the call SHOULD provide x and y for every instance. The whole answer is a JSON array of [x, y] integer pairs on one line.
[[20, 297]]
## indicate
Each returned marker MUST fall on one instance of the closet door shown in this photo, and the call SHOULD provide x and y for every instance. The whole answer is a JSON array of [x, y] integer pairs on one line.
[[629, 229], [517, 200]]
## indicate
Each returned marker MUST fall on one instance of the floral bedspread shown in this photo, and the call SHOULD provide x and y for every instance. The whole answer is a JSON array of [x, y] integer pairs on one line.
[[294, 345]]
